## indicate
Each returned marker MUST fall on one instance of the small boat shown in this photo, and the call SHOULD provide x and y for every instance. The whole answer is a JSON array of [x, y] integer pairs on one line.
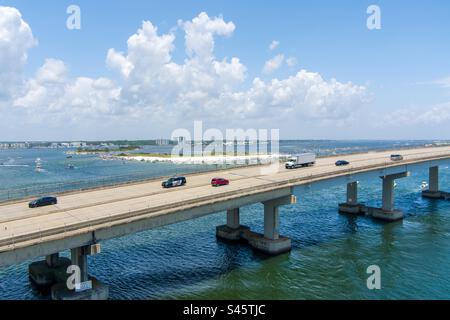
[[38, 164], [69, 157], [424, 185], [70, 166]]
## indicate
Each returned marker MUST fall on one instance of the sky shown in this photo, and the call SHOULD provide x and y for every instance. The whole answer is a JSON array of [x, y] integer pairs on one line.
[[142, 69]]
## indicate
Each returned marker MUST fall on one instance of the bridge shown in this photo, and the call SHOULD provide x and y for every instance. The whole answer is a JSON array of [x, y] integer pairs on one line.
[[83, 219]]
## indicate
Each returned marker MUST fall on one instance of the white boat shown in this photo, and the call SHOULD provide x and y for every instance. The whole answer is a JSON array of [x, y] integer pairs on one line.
[[424, 185], [38, 164]]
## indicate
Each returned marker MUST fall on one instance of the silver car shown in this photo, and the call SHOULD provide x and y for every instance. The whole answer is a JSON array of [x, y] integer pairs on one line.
[[396, 157]]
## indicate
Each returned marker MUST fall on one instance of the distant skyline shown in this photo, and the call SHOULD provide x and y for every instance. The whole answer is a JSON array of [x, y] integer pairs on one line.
[[138, 70]]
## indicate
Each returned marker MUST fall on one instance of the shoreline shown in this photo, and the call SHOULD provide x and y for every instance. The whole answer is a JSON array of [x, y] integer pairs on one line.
[[219, 159]]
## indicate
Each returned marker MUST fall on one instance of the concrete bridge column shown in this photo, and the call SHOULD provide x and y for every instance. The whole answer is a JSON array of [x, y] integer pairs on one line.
[[88, 288], [271, 221], [387, 211], [233, 218], [233, 230], [352, 206], [433, 191], [388, 193], [79, 258], [271, 242], [434, 179]]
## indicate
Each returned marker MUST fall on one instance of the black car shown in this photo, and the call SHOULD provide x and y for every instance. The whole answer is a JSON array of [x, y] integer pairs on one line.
[[44, 201], [342, 163], [174, 182]]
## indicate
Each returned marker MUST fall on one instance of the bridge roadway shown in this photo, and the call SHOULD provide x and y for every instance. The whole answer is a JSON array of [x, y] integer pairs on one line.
[[89, 216]]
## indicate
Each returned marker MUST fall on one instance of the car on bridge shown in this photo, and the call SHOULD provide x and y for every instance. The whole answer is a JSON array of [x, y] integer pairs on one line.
[[396, 157], [216, 182], [174, 182], [342, 163], [44, 201]]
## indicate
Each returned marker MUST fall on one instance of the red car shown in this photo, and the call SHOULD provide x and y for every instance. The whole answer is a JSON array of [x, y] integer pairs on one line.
[[215, 182]]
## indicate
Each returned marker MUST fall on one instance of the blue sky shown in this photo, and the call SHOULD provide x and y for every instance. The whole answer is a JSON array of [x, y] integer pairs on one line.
[[402, 67]]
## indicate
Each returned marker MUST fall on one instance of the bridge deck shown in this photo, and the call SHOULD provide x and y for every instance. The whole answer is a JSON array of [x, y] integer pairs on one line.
[[91, 210]]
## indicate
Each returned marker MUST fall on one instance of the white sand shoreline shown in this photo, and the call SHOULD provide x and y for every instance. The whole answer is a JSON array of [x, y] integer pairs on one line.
[[250, 159]]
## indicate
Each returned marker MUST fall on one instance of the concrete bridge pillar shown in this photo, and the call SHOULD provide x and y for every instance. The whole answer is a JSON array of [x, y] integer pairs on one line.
[[79, 258], [232, 231], [271, 221], [271, 242], [88, 288], [387, 212], [434, 179], [352, 193], [433, 191], [233, 218], [352, 206]]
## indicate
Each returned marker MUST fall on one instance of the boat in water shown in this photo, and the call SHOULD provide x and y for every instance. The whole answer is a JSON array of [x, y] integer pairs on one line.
[[38, 164], [424, 186]]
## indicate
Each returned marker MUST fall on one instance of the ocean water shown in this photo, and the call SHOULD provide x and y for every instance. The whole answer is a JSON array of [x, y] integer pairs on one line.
[[329, 258]]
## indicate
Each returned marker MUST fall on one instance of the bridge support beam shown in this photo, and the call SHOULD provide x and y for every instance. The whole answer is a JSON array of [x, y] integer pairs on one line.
[[351, 206], [433, 186], [96, 290], [232, 231], [271, 242], [387, 212], [43, 274]]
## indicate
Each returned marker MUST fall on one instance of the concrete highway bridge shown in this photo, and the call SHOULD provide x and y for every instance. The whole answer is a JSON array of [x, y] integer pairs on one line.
[[82, 220]]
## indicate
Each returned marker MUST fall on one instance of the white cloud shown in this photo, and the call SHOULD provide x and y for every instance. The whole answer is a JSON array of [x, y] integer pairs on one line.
[[274, 44], [434, 115], [273, 64], [200, 32], [444, 82], [16, 38], [291, 62], [157, 91]]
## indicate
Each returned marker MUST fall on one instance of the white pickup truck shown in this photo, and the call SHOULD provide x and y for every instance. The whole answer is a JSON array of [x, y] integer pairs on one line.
[[301, 160]]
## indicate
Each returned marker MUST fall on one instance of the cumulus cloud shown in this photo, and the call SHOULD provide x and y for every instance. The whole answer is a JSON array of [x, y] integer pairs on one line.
[[16, 38], [200, 32], [153, 87], [53, 92], [274, 44], [273, 64]]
